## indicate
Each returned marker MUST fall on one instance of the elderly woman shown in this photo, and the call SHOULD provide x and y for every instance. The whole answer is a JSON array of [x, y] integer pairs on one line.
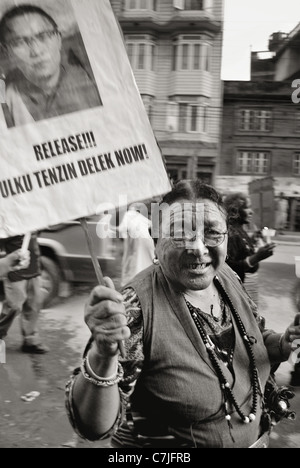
[[196, 359], [243, 256]]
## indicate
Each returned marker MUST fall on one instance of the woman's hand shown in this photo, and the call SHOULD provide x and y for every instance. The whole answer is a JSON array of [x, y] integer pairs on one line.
[[262, 253], [291, 334], [18, 260], [106, 318]]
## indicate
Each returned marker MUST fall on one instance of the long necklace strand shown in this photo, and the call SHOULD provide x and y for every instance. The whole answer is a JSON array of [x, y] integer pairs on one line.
[[225, 386]]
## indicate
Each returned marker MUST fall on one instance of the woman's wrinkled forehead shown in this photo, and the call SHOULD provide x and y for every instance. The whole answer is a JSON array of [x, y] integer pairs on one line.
[[199, 214]]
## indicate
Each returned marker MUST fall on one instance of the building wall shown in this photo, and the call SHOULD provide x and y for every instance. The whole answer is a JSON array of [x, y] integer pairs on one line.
[[282, 141], [198, 150], [287, 64]]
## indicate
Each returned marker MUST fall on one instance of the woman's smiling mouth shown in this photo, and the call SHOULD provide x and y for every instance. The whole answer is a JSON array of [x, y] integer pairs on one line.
[[197, 267]]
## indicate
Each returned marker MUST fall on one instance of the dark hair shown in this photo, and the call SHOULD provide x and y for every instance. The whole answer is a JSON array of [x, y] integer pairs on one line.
[[234, 204], [21, 11], [192, 190]]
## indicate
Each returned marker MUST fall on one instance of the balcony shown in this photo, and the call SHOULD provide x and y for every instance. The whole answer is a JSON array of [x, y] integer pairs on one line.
[[146, 81], [152, 20], [199, 83]]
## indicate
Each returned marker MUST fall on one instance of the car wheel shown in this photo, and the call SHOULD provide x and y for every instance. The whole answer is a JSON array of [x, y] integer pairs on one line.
[[50, 280]]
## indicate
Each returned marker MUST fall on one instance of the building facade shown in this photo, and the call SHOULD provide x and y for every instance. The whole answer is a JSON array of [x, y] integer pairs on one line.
[[260, 139], [175, 49]]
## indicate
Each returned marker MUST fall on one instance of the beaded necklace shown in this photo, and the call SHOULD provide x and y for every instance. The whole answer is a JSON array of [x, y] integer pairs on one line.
[[216, 361], [223, 349]]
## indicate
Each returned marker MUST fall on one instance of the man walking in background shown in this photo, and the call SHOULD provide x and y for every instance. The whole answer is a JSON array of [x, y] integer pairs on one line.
[[23, 297]]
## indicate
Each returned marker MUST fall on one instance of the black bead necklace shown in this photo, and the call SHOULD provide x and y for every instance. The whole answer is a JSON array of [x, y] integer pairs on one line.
[[225, 386]]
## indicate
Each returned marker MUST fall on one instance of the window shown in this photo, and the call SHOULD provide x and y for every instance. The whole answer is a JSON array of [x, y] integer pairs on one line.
[[192, 118], [141, 64], [207, 52], [190, 53], [203, 119], [152, 57], [188, 4], [185, 57], [172, 117], [252, 120], [178, 4], [253, 162], [296, 164], [187, 117], [183, 117], [141, 53], [193, 5], [174, 61], [139, 4], [196, 58]]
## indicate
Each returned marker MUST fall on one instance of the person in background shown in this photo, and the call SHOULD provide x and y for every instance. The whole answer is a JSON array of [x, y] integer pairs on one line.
[[281, 213], [138, 245], [197, 354], [23, 296], [132, 226], [243, 255], [41, 83]]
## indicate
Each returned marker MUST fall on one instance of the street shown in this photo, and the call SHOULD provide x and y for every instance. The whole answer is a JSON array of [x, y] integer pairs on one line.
[[277, 280], [42, 423]]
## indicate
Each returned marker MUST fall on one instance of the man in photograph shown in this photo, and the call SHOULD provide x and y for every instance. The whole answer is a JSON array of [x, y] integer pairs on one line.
[[41, 83]]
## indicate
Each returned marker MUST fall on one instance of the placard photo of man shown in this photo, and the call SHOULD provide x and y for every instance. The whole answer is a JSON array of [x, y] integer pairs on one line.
[[47, 75]]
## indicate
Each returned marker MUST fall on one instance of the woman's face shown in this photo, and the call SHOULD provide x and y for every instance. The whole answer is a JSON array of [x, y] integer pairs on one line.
[[246, 212], [192, 265]]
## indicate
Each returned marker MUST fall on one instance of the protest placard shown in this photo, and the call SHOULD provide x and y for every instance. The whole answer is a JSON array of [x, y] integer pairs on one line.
[[74, 131]]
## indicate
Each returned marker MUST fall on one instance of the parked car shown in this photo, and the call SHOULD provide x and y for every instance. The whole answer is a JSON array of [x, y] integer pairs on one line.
[[65, 258]]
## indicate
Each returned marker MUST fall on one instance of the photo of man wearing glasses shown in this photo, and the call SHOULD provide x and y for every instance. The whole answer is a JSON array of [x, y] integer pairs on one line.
[[42, 81]]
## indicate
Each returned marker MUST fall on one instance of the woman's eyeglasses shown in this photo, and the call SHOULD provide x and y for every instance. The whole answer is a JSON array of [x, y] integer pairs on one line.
[[209, 238], [24, 44]]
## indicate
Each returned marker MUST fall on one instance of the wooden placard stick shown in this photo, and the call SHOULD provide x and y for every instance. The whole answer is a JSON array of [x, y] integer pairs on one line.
[[97, 268], [26, 242]]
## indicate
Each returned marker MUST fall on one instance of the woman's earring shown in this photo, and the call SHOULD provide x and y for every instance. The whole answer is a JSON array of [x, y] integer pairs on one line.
[[155, 261]]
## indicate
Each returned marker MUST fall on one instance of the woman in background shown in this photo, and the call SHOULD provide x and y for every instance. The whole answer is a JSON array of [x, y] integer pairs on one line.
[[243, 254]]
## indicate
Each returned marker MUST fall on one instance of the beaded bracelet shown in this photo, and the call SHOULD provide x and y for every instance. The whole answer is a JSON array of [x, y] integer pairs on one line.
[[100, 382]]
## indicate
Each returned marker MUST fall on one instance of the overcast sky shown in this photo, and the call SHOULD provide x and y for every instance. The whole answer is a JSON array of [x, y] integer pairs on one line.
[[248, 25]]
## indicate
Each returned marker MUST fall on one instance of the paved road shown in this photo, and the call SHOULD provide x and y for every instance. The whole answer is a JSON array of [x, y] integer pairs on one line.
[[277, 279], [43, 422]]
